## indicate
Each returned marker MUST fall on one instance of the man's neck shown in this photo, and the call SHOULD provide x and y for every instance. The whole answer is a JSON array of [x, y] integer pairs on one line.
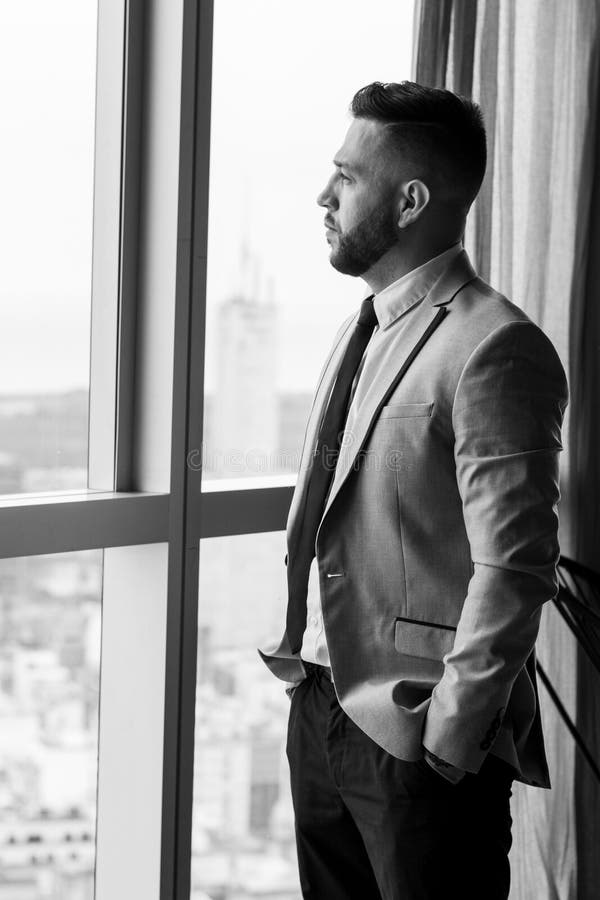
[[398, 262]]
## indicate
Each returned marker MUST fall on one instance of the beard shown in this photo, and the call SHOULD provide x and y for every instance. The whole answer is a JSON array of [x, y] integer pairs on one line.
[[362, 246]]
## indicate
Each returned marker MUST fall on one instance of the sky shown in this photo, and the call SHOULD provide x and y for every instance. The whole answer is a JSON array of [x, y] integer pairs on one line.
[[47, 98], [283, 76]]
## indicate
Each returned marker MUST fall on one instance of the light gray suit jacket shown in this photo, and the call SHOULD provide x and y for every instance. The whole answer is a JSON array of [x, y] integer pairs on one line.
[[438, 543]]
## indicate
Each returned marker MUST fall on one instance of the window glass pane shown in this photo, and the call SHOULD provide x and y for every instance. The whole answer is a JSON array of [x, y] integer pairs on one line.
[[283, 78], [50, 622], [243, 842], [47, 97]]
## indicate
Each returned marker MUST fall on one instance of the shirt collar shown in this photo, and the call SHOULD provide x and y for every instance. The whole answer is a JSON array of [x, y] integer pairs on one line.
[[400, 295]]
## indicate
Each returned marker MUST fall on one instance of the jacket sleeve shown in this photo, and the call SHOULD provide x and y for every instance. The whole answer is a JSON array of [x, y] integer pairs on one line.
[[507, 417]]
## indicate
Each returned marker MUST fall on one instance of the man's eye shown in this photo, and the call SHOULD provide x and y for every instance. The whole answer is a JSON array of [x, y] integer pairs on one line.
[[344, 177]]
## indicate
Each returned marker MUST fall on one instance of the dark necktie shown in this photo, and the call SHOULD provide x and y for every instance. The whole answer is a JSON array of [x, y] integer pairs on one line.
[[323, 468]]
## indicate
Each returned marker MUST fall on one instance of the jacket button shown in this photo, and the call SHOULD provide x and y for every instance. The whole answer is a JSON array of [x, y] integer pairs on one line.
[[286, 557]]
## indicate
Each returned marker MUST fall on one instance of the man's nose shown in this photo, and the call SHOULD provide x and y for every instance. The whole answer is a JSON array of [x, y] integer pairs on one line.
[[326, 197], [322, 197]]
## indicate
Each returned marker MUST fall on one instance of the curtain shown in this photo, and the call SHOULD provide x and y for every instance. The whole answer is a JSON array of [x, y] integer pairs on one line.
[[534, 234]]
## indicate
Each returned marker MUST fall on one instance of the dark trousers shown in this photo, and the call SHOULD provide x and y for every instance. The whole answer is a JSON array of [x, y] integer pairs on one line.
[[373, 827]]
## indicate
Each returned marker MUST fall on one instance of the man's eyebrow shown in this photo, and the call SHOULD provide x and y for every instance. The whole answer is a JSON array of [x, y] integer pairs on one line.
[[340, 163]]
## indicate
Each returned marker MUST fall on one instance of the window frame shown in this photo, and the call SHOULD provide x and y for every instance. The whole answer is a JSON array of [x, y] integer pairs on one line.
[[146, 505]]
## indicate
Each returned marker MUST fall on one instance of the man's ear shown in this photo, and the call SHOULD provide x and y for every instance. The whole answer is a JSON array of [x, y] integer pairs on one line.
[[414, 197]]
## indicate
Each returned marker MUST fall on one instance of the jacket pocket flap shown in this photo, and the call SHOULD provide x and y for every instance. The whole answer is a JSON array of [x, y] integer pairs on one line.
[[405, 410], [426, 639]]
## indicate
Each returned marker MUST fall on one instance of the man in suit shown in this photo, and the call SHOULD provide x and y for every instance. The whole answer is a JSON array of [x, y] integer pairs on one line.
[[422, 534]]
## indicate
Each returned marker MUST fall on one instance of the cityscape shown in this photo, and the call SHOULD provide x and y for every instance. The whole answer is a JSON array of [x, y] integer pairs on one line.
[[50, 643]]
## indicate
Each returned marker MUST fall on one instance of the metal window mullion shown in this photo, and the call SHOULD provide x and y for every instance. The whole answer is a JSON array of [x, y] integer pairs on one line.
[[249, 511], [131, 131], [69, 523], [115, 256], [63, 523], [186, 496], [106, 246]]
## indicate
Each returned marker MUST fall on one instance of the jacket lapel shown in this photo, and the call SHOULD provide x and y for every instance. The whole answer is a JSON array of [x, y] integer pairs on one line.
[[421, 326], [387, 378]]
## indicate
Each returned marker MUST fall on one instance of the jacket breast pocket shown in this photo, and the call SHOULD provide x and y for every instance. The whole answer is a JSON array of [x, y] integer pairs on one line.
[[406, 410], [423, 639]]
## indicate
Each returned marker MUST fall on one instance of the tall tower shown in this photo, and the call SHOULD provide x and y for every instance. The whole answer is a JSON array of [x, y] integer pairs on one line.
[[245, 423]]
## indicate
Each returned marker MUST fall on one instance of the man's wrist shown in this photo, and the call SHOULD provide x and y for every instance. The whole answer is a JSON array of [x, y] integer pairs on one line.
[[447, 770]]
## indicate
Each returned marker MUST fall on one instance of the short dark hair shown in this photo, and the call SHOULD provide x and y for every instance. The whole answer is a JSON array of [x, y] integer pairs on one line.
[[440, 132]]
